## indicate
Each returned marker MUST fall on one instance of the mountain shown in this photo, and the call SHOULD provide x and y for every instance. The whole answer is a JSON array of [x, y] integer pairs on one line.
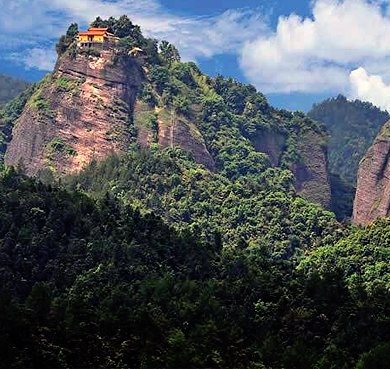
[[183, 242], [352, 126], [98, 102], [77, 113], [10, 88], [372, 198], [93, 283]]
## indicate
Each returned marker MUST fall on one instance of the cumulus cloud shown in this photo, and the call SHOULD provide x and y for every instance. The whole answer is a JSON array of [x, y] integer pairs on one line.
[[40, 20], [312, 54], [38, 58], [209, 36], [317, 53], [42, 59], [370, 88]]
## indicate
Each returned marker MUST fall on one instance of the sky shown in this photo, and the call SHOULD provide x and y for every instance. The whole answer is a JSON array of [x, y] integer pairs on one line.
[[295, 52]]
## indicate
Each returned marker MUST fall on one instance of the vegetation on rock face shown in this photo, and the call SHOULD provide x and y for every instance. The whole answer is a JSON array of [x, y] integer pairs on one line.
[[58, 146], [66, 40], [134, 292], [352, 126], [147, 259], [9, 113], [230, 117]]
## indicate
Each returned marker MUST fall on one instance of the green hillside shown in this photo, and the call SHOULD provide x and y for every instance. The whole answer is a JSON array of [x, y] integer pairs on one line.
[[150, 258], [352, 126], [10, 88], [95, 283]]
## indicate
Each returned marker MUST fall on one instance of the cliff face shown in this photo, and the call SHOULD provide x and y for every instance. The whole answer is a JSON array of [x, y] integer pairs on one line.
[[170, 130], [372, 199], [86, 109], [353, 126], [311, 172], [270, 143], [82, 111]]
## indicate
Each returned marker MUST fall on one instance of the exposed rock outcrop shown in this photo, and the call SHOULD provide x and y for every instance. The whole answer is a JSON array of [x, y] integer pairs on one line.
[[180, 132], [372, 199], [311, 173], [171, 130], [86, 109], [81, 111], [270, 143]]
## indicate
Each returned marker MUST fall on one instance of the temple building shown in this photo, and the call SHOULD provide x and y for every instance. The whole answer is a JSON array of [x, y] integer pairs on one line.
[[96, 37]]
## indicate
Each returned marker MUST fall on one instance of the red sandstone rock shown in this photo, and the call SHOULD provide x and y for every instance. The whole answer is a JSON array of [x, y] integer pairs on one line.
[[311, 172], [372, 199], [90, 112], [86, 103]]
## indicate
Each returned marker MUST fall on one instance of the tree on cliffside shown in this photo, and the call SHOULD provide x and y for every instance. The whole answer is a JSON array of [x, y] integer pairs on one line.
[[66, 40], [169, 52]]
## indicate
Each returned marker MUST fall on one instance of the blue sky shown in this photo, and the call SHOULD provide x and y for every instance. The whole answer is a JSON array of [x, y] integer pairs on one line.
[[295, 52]]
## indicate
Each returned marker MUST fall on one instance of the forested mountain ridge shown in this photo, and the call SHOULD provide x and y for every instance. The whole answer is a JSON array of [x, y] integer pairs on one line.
[[357, 156], [10, 88], [352, 126], [186, 241], [94, 284], [101, 101]]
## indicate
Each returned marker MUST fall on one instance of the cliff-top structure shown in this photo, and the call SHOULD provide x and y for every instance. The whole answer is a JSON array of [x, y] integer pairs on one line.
[[112, 89], [96, 37]]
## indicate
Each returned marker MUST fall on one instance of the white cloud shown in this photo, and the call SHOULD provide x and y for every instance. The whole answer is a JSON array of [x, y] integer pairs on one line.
[[42, 59], [317, 54], [370, 88], [38, 58], [312, 54], [42, 20], [208, 36]]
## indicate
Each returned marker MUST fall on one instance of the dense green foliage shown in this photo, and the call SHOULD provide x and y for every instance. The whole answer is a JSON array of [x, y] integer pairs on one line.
[[230, 116], [95, 284], [352, 125], [342, 197], [250, 210], [66, 40], [10, 88], [363, 261], [149, 260]]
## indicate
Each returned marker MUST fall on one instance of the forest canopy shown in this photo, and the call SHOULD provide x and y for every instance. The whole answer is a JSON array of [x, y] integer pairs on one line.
[[150, 259]]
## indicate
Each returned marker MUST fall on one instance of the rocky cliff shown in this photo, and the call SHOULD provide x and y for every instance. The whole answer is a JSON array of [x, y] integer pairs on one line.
[[310, 166], [97, 102], [169, 130], [353, 126], [79, 112], [87, 109], [372, 199], [311, 171], [270, 143]]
